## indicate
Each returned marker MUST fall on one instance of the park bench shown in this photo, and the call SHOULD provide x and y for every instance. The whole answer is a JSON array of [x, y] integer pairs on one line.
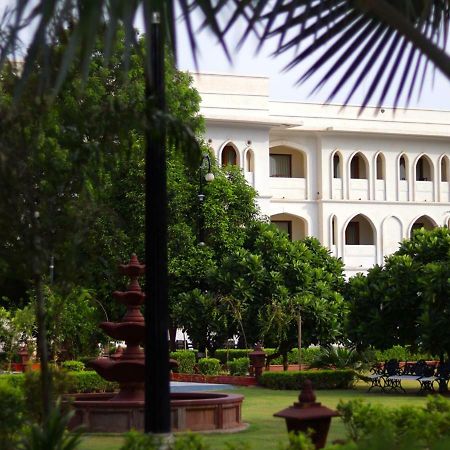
[[380, 372], [437, 375], [409, 372], [391, 374]]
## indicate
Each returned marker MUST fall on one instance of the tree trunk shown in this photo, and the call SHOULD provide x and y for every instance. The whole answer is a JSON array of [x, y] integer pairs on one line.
[[43, 350], [442, 382], [299, 341], [173, 337], [285, 361]]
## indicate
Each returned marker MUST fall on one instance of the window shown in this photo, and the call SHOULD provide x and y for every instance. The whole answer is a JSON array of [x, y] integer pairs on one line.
[[423, 170], [358, 167], [285, 226], [444, 169], [229, 157], [333, 231], [352, 233], [336, 166], [380, 174], [402, 167], [280, 166], [249, 161]]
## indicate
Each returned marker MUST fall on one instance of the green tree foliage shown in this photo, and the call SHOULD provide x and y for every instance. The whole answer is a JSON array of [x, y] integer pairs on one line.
[[268, 282], [17, 328], [405, 302]]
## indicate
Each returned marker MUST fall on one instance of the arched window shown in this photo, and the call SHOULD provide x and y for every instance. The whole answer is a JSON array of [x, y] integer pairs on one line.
[[380, 167], [358, 167], [334, 230], [249, 161], [424, 169], [359, 231], [287, 162], [337, 166], [295, 227], [402, 168], [423, 222], [229, 156], [444, 169]]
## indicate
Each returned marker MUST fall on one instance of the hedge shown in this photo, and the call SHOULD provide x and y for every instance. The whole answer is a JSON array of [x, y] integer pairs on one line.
[[74, 366], [321, 379], [308, 354], [209, 366], [90, 381], [239, 366], [185, 359], [78, 382]]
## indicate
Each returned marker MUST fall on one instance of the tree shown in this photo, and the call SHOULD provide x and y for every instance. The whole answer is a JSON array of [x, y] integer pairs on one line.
[[270, 281], [406, 301], [390, 23]]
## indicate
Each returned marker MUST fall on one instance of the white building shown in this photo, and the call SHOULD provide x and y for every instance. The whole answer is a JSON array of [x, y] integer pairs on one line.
[[359, 183]]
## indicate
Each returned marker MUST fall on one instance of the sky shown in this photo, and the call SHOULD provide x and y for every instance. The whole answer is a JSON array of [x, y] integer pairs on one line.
[[283, 85]]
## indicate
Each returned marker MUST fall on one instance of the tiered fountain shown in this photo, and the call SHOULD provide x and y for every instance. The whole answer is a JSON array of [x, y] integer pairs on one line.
[[124, 410]]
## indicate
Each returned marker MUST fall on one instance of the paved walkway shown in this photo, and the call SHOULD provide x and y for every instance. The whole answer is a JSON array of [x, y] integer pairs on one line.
[[182, 386]]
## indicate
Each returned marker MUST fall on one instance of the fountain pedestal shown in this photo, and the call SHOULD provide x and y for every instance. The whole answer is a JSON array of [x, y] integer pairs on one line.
[[124, 410]]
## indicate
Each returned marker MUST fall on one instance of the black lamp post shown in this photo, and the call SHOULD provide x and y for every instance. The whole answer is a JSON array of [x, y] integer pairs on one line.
[[157, 384], [209, 176]]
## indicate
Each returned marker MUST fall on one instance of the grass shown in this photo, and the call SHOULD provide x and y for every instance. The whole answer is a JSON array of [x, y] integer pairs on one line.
[[265, 431]]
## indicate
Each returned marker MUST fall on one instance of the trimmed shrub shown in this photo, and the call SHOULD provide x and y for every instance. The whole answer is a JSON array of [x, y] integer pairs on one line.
[[226, 355], [11, 415], [89, 381], [66, 382], [14, 380], [401, 354], [185, 359], [235, 353], [73, 366], [32, 389], [239, 366], [420, 426], [209, 366], [321, 379]]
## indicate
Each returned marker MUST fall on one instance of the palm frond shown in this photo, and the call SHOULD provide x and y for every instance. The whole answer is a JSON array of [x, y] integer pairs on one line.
[[357, 40]]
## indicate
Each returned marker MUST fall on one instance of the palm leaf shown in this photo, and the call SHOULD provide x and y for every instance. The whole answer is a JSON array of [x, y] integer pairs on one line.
[[336, 34]]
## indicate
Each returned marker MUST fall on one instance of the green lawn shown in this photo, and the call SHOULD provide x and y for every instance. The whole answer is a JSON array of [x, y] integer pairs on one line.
[[265, 431]]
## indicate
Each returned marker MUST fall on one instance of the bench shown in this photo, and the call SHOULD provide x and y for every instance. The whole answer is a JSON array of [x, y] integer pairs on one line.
[[391, 374]]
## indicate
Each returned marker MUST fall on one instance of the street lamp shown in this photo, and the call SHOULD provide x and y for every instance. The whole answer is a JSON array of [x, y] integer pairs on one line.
[[208, 177]]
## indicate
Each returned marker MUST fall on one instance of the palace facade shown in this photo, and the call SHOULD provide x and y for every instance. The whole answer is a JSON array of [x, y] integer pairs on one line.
[[360, 183]]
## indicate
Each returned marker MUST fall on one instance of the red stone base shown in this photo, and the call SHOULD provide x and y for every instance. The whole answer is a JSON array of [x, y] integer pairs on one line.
[[216, 379], [195, 411]]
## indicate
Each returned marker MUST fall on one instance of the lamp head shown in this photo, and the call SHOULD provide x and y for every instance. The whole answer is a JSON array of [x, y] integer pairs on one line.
[[209, 177]]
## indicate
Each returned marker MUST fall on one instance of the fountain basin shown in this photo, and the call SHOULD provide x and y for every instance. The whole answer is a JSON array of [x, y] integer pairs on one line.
[[195, 411]]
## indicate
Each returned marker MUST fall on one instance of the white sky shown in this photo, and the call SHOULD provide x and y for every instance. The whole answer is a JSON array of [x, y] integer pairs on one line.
[[435, 93]]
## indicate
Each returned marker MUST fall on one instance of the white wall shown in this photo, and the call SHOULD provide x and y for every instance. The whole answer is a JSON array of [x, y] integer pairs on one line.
[[238, 110]]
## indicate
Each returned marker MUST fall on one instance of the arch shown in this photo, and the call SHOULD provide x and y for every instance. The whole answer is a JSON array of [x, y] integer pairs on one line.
[[444, 169], [334, 230], [229, 154], [424, 221], [336, 160], [249, 160], [424, 168], [287, 161], [380, 166], [359, 166], [295, 226], [391, 234], [402, 167], [360, 230]]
